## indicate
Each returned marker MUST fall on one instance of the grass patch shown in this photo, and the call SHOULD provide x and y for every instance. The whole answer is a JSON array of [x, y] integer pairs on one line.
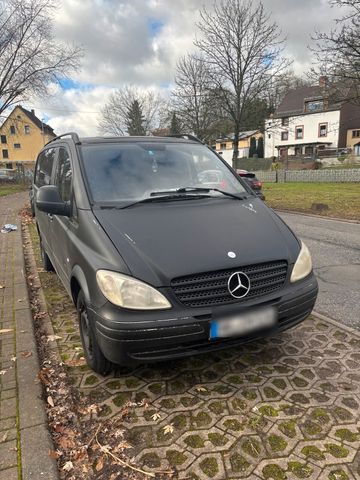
[[342, 199], [10, 189]]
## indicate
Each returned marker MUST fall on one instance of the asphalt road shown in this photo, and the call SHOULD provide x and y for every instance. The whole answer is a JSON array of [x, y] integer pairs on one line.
[[335, 249]]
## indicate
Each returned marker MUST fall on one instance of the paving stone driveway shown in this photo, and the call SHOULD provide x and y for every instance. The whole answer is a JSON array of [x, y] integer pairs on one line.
[[282, 408]]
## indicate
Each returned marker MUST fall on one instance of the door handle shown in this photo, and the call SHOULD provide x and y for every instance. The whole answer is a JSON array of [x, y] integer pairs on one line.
[[50, 217]]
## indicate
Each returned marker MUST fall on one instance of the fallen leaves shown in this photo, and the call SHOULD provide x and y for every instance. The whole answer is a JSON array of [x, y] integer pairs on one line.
[[201, 389], [2, 372], [4, 437], [99, 464], [156, 416], [6, 330], [2, 286], [168, 428], [52, 338], [68, 466], [50, 401], [26, 354], [54, 454]]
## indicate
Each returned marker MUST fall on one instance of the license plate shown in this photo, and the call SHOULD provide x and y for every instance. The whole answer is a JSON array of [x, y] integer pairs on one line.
[[243, 324]]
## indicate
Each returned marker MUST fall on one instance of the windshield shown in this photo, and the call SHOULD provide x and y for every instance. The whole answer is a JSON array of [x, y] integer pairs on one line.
[[129, 172]]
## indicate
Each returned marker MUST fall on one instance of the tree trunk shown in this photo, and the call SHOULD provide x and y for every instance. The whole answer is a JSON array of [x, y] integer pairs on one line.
[[236, 147]]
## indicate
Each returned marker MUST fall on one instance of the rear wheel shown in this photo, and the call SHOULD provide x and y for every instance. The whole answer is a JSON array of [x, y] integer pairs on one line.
[[48, 266], [93, 354]]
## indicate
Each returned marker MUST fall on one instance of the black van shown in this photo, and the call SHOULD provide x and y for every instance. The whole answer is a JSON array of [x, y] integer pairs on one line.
[[163, 257]]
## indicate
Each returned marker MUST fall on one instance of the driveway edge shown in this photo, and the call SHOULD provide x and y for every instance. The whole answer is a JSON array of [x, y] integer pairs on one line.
[[325, 318], [313, 215]]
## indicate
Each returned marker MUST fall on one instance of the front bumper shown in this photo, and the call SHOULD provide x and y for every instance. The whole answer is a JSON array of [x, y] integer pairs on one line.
[[127, 337]]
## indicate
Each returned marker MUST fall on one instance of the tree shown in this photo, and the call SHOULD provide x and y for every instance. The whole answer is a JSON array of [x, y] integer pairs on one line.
[[135, 119], [260, 148], [114, 115], [338, 51], [252, 149], [242, 50], [194, 99], [175, 125], [30, 57]]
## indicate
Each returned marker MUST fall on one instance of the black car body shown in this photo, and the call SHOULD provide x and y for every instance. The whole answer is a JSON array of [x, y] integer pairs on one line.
[[158, 264]]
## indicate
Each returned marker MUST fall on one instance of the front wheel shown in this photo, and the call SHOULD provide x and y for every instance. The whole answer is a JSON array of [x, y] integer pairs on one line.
[[93, 354]]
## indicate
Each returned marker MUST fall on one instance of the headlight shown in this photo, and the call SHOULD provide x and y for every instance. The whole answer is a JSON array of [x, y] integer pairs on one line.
[[128, 292], [303, 264]]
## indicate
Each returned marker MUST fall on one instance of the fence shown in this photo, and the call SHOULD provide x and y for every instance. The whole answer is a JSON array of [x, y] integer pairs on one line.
[[281, 176]]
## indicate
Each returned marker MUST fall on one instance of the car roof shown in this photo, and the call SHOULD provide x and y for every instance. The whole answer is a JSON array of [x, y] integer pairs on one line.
[[127, 139]]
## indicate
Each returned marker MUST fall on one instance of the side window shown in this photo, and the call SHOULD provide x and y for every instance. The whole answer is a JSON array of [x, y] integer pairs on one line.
[[63, 179], [44, 167]]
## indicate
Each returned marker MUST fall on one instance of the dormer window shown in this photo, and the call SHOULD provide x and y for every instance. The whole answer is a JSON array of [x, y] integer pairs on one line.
[[314, 106], [285, 121]]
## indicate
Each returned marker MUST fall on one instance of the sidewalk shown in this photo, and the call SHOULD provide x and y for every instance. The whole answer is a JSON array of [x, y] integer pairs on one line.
[[24, 437]]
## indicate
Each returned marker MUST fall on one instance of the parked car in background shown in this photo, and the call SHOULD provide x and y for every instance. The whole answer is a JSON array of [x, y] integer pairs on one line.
[[6, 175], [159, 263], [252, 181]]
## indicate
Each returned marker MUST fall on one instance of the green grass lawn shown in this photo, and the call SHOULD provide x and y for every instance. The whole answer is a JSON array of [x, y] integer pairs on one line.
[[6, 189], [343, 199]]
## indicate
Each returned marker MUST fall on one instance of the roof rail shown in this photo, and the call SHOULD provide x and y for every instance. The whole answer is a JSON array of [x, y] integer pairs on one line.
[[187, 136], [74, 136]]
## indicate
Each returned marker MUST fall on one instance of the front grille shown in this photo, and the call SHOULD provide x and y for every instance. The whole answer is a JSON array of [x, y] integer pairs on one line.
[[210, 288]]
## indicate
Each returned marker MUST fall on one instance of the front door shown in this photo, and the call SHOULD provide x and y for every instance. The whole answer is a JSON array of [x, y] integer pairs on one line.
[[60, 224]]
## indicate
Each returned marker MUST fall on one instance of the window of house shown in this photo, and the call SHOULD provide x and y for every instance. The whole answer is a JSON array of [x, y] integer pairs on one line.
[[323, 129], [12, 130], [269, 136], [284, 135], [299, 132], [27, 129], [44, 167], [298, 150], [5, 153], [309, 150], [17, 145], [314, 106], [63, 176], [3, 139], [285, 121], [223, 146], [9, 165], [355, 133]]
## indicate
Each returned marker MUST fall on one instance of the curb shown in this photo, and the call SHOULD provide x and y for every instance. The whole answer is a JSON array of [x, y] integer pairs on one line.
[[34, 433], [336, 323], [322, 217]]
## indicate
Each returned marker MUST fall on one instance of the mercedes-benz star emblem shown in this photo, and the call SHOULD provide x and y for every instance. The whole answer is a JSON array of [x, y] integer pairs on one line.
[[239, 284]]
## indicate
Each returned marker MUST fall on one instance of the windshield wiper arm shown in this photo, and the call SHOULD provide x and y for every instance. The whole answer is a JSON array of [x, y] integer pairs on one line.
[[164, 197], [206, 189]]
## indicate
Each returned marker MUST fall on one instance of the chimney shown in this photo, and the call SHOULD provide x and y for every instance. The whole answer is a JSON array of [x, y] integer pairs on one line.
[[323, 81], [32, 111]]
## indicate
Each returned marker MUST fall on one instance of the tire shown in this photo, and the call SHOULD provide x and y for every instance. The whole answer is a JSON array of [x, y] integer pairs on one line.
[[93, 354], [48, 266]]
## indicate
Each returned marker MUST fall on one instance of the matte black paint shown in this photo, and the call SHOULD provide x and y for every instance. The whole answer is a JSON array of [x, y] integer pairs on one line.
[[157, 242]]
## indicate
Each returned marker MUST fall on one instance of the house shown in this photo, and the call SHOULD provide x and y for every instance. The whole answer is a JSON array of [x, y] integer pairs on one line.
[[225, 146], [22, 136], [310, 121]]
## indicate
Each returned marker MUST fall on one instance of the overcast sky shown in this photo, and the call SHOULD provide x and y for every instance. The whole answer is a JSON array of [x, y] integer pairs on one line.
[[139, 41]]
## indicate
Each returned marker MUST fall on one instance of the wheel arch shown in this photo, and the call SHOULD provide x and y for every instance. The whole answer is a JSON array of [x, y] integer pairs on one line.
[[78, 282]]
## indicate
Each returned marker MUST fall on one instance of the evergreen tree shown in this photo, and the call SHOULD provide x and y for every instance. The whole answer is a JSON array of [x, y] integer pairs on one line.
[[135, 119], [260, 148], [175, 127], [252, 149]]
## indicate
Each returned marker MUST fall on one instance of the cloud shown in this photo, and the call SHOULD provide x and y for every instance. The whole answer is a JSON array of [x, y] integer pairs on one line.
[[139, 42]]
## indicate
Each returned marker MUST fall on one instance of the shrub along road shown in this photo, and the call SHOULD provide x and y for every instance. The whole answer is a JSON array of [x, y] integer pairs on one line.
[[335, 249]]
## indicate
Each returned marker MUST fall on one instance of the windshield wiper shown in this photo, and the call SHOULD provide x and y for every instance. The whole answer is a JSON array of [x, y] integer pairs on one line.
[[198, 189], [165, 196]]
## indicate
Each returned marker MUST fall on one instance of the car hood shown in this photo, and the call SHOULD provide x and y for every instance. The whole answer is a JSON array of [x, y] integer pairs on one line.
[[161, 241]]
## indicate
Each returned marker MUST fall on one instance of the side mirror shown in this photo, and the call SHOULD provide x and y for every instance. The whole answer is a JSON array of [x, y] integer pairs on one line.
[[48, 200]]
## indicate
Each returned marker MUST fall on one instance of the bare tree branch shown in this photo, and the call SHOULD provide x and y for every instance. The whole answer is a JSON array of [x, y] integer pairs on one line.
[[242, 49], [30, 57], [114, 115]]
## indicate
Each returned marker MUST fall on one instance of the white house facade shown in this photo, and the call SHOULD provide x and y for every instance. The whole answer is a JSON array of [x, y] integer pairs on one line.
[[298, 135]]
